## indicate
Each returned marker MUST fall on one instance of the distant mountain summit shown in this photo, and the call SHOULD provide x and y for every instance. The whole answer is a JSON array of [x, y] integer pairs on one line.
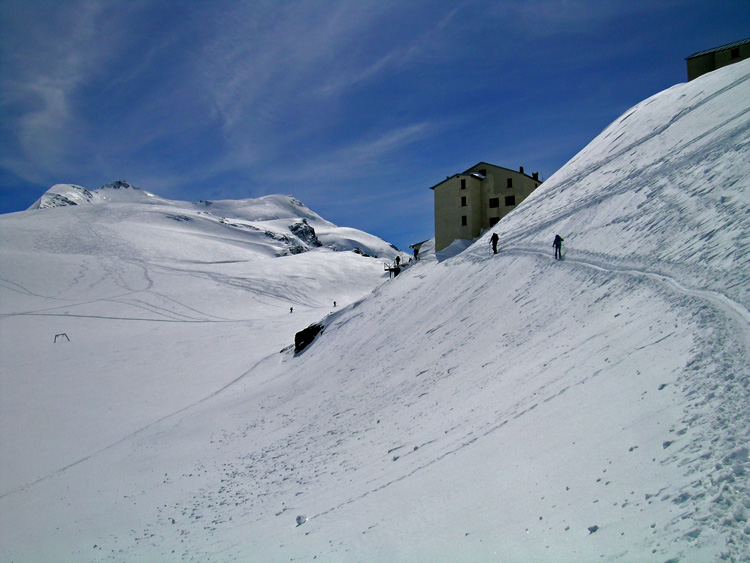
[[61, 195], [119, 184], [273, 225]]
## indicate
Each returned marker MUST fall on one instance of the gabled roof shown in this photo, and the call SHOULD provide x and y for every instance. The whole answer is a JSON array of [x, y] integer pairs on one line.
[[448, 178], [480, 177], [471, 171], [722, 48]]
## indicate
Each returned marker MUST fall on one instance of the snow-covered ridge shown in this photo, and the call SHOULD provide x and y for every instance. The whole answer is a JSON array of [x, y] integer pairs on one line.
[[284, 223], [61, 195], [665, 187]]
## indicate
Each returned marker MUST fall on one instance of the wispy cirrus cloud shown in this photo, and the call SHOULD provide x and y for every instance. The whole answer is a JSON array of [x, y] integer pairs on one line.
[[358, 159], [50, 50], [280, 77]]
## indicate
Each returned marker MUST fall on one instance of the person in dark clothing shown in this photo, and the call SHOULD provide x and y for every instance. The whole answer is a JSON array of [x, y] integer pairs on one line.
[[558, 247], [493, 241]]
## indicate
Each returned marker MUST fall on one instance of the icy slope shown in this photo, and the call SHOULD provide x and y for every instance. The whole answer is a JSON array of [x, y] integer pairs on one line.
[[507, 408]]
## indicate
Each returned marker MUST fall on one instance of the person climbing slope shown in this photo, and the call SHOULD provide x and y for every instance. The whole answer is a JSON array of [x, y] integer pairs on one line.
[[558, 247]]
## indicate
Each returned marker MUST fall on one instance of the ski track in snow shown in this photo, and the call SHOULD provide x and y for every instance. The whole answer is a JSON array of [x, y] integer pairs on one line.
[[730, 307], [740, 408], [135, 433], [691, 455], [727, 481]]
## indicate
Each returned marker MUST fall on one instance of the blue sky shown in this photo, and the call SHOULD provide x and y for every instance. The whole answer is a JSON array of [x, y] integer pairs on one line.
[[355, 107]]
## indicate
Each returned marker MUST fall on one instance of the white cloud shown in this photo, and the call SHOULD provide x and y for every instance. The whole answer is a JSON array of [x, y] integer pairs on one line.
[[357, 159], [277, 72]]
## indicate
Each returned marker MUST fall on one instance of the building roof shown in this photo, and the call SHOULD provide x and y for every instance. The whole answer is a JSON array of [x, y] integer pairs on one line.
[[722, 48], [480, 177]]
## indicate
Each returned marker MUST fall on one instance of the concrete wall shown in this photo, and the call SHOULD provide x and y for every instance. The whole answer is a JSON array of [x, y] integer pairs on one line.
[[449, 211]]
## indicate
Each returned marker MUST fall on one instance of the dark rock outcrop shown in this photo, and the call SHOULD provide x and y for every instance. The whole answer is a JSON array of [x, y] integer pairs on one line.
[[305, 337], [304, 232]]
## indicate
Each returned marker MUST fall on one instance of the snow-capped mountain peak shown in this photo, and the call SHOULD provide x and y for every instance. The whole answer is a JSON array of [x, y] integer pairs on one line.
[[61, 195], [273, 225]]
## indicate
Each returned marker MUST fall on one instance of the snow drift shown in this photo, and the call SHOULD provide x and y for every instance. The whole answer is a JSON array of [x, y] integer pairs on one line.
[[509, 408]]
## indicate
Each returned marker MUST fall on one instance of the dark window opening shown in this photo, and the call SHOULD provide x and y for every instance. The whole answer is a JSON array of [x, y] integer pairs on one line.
[[494, 202], [464, 221], [463, 183], [483, 171], [510, 182], [735, 53], [494, 220], [463, 201], [510, 201]]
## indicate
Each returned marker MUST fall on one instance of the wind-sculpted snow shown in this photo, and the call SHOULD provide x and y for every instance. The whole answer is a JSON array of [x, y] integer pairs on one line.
[[664, 188], [475, 408], [61, 195]]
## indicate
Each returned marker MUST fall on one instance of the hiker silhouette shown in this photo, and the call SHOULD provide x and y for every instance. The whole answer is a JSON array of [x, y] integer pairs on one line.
[[558, 247]]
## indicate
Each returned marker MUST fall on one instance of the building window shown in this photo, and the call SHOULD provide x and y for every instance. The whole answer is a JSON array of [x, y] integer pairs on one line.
[[464, 221], [494, 202], [510, 201], [463, 201], [463, 183], [734, 53], [494, 220], [510, 182]]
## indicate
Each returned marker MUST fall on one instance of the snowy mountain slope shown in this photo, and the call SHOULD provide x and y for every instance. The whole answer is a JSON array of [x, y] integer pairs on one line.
[[144, 300], [282, 218], [683, 211], [506, 408]]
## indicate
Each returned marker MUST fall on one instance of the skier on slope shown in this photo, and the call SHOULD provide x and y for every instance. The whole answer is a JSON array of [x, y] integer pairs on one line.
[[493, 242], [558, 247]]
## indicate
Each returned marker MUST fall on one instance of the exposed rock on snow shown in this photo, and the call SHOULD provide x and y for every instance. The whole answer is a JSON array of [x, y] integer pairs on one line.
[[304, 232], [306, 336], [117, 185]]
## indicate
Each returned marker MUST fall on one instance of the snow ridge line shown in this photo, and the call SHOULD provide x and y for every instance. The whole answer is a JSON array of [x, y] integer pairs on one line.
[[641, 177], [25, 486], [594, 166]]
